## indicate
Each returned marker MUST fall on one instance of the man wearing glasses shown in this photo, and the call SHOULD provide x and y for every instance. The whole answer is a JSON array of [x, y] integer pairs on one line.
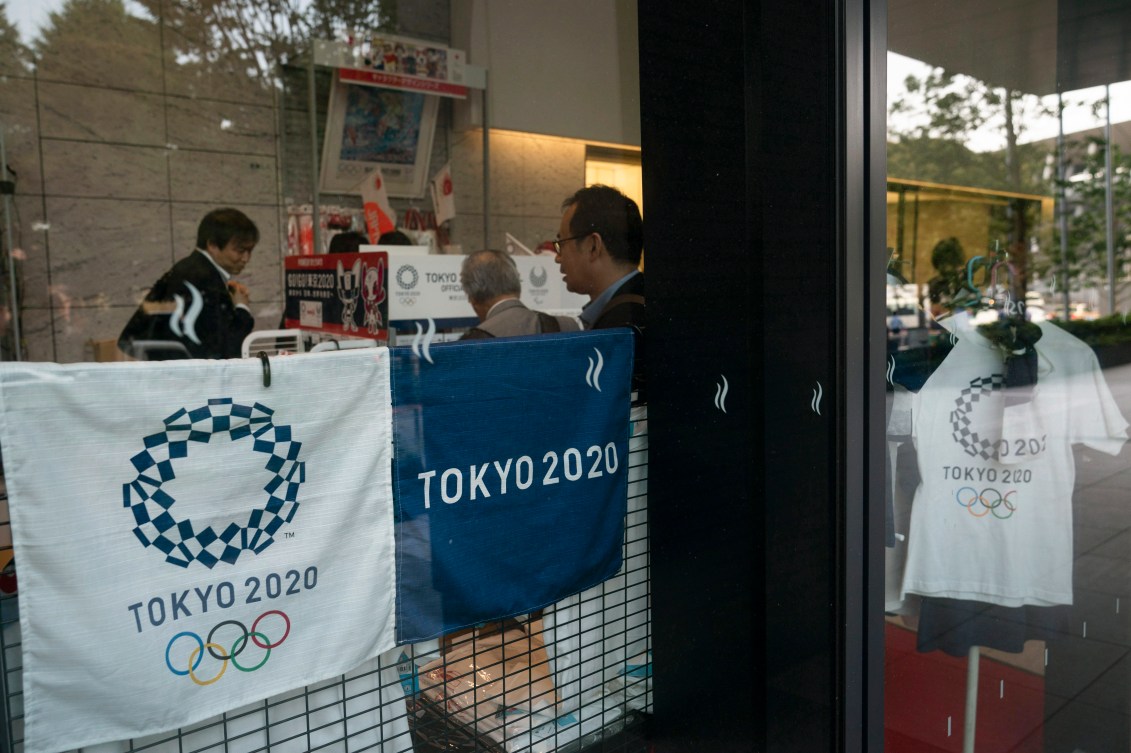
[[598, 249]]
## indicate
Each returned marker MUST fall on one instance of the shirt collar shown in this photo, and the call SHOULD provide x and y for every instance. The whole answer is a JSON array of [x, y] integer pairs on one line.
[[591, 311], [500, 303], [223, 272]]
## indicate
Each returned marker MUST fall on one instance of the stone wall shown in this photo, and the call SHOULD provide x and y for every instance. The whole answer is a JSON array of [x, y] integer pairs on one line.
[[120, 146], [123, 135]]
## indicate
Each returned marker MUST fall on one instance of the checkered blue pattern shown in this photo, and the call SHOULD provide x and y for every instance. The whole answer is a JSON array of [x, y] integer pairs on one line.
[[152, 507], [972, 444]]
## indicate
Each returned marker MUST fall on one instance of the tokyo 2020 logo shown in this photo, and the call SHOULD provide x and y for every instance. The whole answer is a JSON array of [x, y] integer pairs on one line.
[[179, 539], [407, 277]]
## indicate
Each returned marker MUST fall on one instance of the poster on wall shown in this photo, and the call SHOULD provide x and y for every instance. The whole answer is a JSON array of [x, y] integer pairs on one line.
[[369, 127]]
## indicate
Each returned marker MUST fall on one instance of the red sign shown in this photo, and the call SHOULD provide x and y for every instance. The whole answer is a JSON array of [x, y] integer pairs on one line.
[[340, 294], [398, 81]]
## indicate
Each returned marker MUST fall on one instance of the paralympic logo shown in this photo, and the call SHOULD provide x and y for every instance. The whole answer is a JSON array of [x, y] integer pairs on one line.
[[988, 501], [179, 540], [225, 655]]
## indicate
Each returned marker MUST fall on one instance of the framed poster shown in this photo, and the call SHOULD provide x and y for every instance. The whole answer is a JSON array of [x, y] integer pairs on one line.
[[369, 127]]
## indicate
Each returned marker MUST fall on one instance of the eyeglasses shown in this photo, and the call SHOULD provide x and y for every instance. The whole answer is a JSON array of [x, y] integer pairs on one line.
[[558, 243]]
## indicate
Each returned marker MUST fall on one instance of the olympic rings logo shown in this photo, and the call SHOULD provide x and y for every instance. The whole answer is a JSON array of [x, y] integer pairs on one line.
[[222, 655], [988, 501]]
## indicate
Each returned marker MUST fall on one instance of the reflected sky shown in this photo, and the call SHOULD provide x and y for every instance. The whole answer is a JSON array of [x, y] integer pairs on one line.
[[29, 15], [1077, 116]]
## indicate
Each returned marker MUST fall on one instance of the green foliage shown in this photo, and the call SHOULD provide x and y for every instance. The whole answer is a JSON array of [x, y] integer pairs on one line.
[[942, 112], [1087, 228], [1108, 330]]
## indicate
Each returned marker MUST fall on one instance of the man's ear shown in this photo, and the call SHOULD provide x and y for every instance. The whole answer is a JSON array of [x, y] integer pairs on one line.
[[598, 246]]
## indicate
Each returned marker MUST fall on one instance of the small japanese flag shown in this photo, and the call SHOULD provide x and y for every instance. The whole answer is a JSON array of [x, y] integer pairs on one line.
[[379, 216], [443, 197]]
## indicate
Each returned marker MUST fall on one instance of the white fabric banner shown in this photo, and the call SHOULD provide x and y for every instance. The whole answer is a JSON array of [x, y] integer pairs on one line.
[[190, 541]]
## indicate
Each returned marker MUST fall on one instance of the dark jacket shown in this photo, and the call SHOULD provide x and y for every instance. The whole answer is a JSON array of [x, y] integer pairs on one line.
[[622, 311], [220, 326], [626, 309]]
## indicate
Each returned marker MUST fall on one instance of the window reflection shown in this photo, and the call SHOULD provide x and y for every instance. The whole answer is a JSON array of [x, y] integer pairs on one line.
[[126, 121], [1008, 350]]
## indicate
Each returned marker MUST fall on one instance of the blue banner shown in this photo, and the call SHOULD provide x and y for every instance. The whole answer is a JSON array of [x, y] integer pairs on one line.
[[510, 474]]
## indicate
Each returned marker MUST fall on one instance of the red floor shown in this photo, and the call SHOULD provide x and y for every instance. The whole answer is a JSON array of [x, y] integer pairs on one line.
[[925, 701]]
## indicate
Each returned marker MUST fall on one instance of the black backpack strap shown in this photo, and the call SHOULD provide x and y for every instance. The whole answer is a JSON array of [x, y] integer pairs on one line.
[[548, 323], [617, 300]]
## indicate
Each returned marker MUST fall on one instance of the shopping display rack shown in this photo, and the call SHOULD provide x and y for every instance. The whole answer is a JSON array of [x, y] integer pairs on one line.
[[574, 677]]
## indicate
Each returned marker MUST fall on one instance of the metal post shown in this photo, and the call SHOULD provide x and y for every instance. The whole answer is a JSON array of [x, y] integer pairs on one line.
[[486, 168], [1109, 209], [1062, 172], [10, 240], [915, 239], [312, 111], [901, 209], [970, 726]]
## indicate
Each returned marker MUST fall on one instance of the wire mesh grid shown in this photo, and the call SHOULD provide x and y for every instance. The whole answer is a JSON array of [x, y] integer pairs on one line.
[[576, 676]]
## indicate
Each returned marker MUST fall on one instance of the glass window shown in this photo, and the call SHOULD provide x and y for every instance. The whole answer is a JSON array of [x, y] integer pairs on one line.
[[1008, 566], [189, 180]]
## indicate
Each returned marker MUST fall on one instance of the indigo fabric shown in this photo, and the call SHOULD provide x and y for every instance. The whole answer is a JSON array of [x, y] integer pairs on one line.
[[510, 474]]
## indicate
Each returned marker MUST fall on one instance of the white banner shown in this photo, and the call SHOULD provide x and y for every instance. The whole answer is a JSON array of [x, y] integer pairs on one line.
[[189, 540], [422, 287]]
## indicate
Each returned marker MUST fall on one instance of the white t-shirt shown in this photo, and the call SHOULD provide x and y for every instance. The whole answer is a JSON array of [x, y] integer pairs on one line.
[[992, 517]]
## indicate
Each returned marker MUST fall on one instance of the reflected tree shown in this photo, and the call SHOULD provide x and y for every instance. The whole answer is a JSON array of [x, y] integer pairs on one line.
[[932, 123], [85, 31], [1086, 194], [12, 48], [931, 126], [246, 38], [254, 36]]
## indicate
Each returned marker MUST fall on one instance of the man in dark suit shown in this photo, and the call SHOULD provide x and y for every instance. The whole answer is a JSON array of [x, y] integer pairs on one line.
[[598, 248], [196, 303]]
